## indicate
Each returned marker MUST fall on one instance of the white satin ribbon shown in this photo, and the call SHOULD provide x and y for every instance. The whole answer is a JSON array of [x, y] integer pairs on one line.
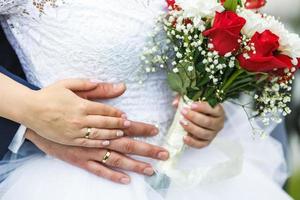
[[216, 172]]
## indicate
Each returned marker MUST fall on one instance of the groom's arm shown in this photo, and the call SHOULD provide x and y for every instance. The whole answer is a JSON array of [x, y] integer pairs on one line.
[[8, 129]]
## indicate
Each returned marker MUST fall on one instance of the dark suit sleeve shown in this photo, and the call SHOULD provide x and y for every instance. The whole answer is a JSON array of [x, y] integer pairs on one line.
[[9, 128]]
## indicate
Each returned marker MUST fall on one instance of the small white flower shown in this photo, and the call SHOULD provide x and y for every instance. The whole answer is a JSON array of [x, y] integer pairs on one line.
[[190, 68], [175, 70], [210, 46], [178, 55], [227, 55]]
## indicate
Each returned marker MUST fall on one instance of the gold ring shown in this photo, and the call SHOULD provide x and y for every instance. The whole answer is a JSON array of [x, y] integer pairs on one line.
[[88, 133], [106, 157]]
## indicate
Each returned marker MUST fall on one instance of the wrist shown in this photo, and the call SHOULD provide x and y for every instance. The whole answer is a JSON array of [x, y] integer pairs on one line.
[[24, 109], [28, 112], [43, 144]]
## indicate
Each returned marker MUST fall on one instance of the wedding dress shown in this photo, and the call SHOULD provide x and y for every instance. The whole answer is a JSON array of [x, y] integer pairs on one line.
[[103, 40]]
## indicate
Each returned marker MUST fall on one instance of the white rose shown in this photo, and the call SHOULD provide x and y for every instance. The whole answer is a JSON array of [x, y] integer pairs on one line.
[[254, 22], [289, 43], [200, 8]]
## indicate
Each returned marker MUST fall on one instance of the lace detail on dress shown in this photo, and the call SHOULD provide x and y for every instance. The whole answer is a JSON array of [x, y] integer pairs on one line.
[[94, 39], [11, 6]]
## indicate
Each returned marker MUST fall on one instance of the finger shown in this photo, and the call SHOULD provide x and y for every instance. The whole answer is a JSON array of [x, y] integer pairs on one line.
[[125, 163], [192, 142], [102, 134], [197, 131], [104, 122], [90, 143], [141, 129], [104, 91], [102, 171], [176, 101], [205, 121], [205, 108], [130, 146], [78, 84], [95, 108]]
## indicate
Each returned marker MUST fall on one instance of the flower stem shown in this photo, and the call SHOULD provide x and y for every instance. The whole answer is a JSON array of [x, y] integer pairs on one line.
[[232, 78]]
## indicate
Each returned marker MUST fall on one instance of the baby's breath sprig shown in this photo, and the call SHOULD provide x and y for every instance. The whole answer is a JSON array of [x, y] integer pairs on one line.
[[196, 70]]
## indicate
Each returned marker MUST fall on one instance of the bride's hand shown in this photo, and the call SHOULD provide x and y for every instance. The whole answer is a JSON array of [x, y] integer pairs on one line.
[[202, 122], [58, 113]]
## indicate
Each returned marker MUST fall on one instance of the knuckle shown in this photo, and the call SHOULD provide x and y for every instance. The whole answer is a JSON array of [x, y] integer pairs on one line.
[[119, 122], [115, 177], [105, 88], [138, 168], [117, 162], [208, 121], [208, 136], [152, 152], [99, 172], [129, 147], [222, 126], [83, 106], [205, 144], [94, 133], [104, 122], [77, 122], [73, 159], [84, 143]]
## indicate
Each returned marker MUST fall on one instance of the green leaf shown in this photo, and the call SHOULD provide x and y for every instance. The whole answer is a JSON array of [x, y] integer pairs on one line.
[[212, 102], [231, 5], [175, 82], [204, 81]]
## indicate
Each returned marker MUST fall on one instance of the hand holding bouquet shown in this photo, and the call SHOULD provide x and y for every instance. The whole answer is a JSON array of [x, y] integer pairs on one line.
[[215, 51]]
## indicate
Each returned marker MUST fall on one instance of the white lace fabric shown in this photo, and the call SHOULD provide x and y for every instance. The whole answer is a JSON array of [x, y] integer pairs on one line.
[[74, 40], [11, 6]]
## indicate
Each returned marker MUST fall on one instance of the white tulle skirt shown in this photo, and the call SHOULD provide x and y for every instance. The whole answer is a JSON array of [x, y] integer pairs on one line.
[[261, 175]]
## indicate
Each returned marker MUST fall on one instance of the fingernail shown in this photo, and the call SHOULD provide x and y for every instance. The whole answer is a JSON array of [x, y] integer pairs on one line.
[[184, 122], [125, 180], [118, 85], [162, 155], [185, 138], [154, 131], [148, 171], [124, 116], [184, 111], [120, 133], [175, 102], [127, 123], [194, 106], [105, 143], [94, 81]]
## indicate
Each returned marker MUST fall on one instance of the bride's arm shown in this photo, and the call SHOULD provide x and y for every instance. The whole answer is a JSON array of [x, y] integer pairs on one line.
[[60, 115], [14, 99]]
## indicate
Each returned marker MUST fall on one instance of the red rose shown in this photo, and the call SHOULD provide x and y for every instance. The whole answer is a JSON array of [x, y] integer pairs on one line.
[[252, 4], [173, 5], [266, 57], [225, 32], [255, 4]]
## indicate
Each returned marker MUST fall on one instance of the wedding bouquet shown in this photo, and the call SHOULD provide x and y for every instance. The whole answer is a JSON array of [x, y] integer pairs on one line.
[[215, 51]]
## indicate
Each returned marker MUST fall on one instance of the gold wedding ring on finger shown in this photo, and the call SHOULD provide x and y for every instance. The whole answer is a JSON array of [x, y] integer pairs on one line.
[[88, 133], [106, 157]]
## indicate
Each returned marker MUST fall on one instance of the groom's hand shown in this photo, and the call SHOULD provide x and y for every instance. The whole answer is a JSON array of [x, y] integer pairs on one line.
[[90, 159], [63, 114]]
